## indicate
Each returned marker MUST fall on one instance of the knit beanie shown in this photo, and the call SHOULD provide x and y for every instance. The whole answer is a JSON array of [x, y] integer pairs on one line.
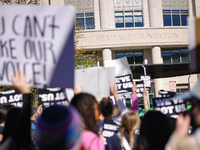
[[59, 128]]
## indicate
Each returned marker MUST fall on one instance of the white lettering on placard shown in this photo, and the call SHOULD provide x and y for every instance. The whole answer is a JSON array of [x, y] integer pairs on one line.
[[110, 127]]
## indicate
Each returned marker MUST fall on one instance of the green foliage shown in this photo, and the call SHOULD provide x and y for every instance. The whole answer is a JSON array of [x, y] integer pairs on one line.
[[6, 88], [33, 92], [84, 59]]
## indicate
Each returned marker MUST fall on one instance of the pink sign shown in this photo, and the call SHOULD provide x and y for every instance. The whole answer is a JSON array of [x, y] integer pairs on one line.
[[172, 86]]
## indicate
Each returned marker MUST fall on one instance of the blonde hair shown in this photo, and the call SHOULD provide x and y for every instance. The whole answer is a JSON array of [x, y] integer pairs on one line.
[[129, 123]]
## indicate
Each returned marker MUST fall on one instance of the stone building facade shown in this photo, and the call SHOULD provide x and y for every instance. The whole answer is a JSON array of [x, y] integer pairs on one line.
[[153, 33]]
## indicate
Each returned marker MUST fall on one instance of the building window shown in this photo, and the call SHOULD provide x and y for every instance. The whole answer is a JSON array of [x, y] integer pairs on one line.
[[175, 17], [127, 19], [85, 21], [175, 56], [181, 88], [134, 57]]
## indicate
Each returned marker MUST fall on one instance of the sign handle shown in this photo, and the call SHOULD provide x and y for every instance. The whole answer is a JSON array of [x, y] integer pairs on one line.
[[147, 91]]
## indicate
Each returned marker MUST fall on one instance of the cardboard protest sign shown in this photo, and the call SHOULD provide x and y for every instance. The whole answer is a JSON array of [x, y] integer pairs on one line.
[[121, 66], [140, 88], [164, 94], [109, 128], [123, 75], [52, 96], [39, 41], [194, 43], [147, 82], [124, 83], [12, 96], [96, 80], [170, 106]]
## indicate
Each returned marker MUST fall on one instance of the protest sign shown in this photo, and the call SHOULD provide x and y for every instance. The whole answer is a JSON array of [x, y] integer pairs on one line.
[[126, 96], [147, 82], [124, 83], [52, 96], [96, 80], [164, 94], [140, 88], [121, 66], [39, 41], [109, 128], [194, 43], [12, 96], [123, 75], [170, 106]]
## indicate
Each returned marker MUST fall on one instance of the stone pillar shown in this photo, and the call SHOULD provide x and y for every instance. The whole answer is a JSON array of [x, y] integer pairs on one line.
[[107, 54], [157, 59], [96, 14], [145, 13], [190, 8], [104, 14], [155, 13], [156, 55], [158, 83], [197, 8]]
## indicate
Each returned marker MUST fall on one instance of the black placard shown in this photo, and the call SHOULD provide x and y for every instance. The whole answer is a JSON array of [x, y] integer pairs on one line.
[[12, 96], [169, 106], [165, 94], [124, 83], [140, 88], [52, 96], [109, 128]]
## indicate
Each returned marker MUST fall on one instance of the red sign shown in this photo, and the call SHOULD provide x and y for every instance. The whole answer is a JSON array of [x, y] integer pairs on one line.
[[172, 86]]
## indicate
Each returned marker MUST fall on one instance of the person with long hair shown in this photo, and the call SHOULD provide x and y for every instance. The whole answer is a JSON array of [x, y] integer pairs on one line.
[[155, 131], [125, 139], [87, 107]]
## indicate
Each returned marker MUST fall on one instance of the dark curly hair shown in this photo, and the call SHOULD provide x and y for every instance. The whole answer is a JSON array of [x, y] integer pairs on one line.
[[106, 107]]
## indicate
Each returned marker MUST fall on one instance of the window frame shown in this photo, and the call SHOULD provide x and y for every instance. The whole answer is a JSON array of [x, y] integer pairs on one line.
[[124, 15], [171, 16], [131, 51], [180, 56], [84, 19]]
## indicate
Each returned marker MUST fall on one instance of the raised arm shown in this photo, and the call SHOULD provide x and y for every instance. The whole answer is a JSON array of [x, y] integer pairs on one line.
[[23, 127], [146, 106], [123, 109], [134, 106]]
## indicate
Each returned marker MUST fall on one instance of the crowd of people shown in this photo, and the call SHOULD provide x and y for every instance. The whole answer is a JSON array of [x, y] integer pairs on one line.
[[79, 127]]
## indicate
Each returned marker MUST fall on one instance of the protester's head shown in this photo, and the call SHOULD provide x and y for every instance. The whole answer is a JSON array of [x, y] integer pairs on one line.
[[106, 107], [116, 111], [87, 106], [129, 123], [3, 112], [155, 131], [59, 127]]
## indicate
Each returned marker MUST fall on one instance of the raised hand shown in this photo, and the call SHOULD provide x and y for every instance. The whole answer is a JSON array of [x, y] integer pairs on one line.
[[114, 90], [77, 89], [20, 82]]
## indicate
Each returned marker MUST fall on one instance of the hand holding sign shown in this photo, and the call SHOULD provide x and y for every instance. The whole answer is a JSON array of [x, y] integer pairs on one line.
[[134, 88], [20, 82], [77, 89], [39, 110], [114, 90]]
